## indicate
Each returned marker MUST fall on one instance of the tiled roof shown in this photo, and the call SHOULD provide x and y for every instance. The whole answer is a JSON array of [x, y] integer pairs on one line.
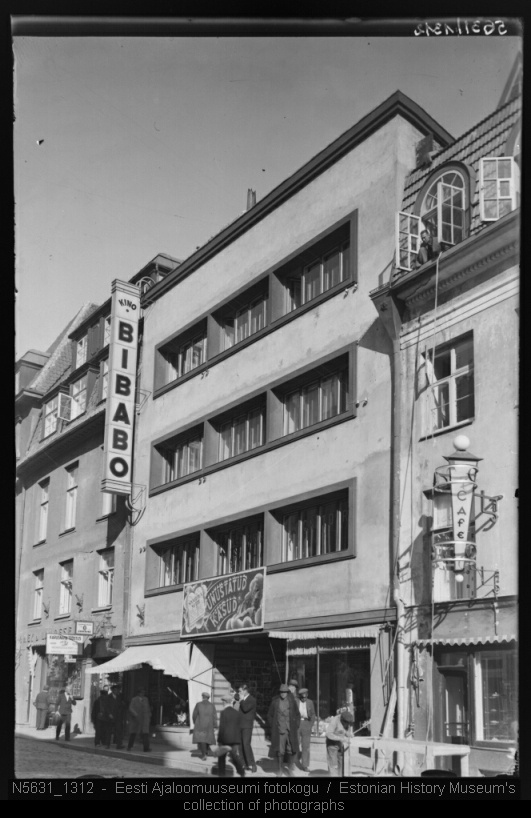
[[487, 138], [58, 365]]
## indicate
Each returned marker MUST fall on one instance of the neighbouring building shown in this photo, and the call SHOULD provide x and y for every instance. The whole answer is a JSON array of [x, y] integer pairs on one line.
[[262, 550], [454, 324], [72, 538]]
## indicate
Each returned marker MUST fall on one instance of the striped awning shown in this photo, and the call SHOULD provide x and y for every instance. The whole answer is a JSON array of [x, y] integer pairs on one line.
[[363, 632], [491, 639]]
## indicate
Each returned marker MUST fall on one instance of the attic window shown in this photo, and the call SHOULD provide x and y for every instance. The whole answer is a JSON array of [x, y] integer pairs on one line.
[[443, 208], [497, 187]]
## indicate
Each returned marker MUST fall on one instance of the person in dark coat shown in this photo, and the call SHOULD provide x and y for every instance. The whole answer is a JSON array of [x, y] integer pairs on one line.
[[429, 248], [229, 738], [117, 713], [139, 716], [283, 719], [205, 720], [106, 716], [65, 704], [247, 711], [307, 714], [42, 702], [95, 717]]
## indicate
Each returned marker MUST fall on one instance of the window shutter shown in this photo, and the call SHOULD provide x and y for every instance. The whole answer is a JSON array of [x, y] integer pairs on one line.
[[408, 229], [497, 187]]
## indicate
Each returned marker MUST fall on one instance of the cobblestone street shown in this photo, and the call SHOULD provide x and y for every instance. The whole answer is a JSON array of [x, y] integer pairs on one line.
[[41, 759]]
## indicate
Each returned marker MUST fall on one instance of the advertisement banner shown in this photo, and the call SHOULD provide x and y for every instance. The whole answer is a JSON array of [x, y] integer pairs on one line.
[[64, 645], [234, 602], [120, 408]]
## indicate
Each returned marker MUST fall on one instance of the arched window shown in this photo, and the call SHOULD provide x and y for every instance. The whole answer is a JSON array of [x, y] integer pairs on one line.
[[442, 210]]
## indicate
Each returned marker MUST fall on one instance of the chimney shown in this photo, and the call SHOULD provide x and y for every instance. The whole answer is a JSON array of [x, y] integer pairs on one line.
[[251, 198]]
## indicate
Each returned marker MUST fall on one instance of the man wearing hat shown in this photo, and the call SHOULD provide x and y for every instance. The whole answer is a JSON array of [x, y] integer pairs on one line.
[[42, 702], [205, 720], [338, 736], [229, 737], [283, 718], [307, 713]]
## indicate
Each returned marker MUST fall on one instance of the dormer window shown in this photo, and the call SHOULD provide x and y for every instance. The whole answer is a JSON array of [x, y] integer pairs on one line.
[[497, 187], [81, 351], [442, 211], [79, 397]]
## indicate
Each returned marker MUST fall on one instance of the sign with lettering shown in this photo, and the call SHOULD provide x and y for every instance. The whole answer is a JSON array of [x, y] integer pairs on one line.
[[64, 645], [86, 628], [120, 409], [230, 603], [463, 482]]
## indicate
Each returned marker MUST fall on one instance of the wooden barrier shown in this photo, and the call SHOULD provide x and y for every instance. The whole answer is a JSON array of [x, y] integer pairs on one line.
[[429, 749]]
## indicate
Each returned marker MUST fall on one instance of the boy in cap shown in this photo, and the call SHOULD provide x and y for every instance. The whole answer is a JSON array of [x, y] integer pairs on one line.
[[337, 741], [229, 738]]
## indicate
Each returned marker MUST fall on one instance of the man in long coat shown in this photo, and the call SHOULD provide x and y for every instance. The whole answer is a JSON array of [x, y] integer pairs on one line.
[[205, 719], [65, 704], [42, 702], [139, 715], [307, 713], [247, 711], [284, 718], [229, 736], [97, 717]]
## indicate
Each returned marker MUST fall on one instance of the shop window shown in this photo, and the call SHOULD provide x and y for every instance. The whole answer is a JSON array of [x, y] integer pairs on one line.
[[323, 397], [38, 594], [78, 392], [81, 351], [241, 431], [178, 562], [240, 546], [316, 528], [65, 587], [181, 355], [43, 509], [449, 392], [498, 183], [71, 497], [50, 416], [496, 676], [105, 577]]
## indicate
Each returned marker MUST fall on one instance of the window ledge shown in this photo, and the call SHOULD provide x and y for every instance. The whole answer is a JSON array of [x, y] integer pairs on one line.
[[105, 516], [448, 429], [306, 562], [63, 616], [39, 542], [167, 589], [271, 327], [266, 447], [101, 609], [34, 622], [67, 531]]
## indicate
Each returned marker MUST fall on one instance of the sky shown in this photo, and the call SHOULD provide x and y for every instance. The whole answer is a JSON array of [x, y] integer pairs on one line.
[[126, 147]]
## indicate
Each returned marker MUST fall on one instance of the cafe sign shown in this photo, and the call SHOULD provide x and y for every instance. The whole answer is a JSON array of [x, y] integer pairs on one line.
[[223, 604], [63, 645]]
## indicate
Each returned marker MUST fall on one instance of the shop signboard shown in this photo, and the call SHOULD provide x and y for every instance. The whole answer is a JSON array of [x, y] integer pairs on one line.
[[86, 628], [234, 602], [64, 645], [120, 406]]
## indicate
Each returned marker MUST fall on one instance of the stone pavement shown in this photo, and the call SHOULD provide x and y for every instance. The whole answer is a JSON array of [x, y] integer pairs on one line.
[[162, 754]]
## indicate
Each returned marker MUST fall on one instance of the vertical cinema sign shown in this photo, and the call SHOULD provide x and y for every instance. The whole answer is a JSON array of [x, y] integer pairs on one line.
[[120, 410]]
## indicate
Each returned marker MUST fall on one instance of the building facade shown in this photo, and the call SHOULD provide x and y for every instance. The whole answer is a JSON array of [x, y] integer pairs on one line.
[[72, 538], [454, 323], [263, 551]]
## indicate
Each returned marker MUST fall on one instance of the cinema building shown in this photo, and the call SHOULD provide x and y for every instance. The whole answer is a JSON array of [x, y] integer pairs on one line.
[[454, 325], [72, 539], [261, 548]]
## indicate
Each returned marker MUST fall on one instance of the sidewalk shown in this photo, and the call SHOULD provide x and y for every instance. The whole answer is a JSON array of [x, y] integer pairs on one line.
[[161, 754]]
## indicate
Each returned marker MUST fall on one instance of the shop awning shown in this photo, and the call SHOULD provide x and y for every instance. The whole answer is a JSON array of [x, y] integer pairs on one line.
[[307, 643], [454, 641], [173, 658], [362, 632]]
